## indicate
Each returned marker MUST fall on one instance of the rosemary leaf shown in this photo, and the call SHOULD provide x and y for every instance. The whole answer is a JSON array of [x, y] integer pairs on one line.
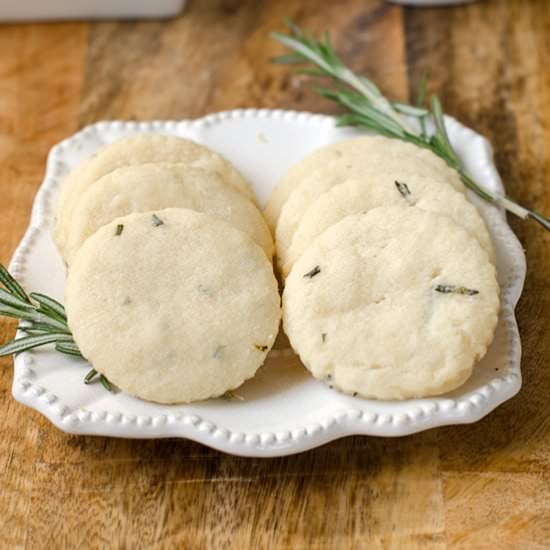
[[44, 327], [545, 222], [44, 318], [29, 342], [218, 352], [304, 48], [309, 72], [403, 188], [34, 332], [356, 104], [354, 119], [90, 376], [12, 285], [156, 220], [105, 383], [422, 88], [23, 314], [34, 317], [315, 271], [437, 114], [50, 306], [293, 28], [230, 395], [69, 348], [14, 300], [288, 59], [454, 289], [420, 98], [40, 332], [410, 110]]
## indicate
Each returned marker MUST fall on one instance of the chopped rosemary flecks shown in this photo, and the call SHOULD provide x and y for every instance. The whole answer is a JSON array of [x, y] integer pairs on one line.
[[368, 108], [119, 229], [230, 395], [315, 271], [218, 352], [403, 188], [454, 289], [261, 347], [324, 337], [42, 319], [156, 220]]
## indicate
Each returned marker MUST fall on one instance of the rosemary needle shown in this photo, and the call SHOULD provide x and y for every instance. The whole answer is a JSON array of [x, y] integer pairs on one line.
[[230, 395], [403, 188], [315, 271], [368, 108], [455, 289]]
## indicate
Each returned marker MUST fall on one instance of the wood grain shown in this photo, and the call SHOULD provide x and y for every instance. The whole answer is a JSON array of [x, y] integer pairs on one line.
[[478, 486], [40, 85]]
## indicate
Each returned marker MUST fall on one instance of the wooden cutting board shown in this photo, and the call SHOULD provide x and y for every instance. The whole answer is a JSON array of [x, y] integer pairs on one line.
[[480, 486]]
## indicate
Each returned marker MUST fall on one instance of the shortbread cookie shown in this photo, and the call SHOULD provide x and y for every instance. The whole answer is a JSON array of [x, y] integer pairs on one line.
[[319, 182], [139, 149], [145, 187], [397, 303], [173, 306], [353, 158], [371, 191]]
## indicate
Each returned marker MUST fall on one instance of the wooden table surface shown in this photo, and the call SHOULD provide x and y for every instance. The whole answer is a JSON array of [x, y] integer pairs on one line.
[[480, 486]]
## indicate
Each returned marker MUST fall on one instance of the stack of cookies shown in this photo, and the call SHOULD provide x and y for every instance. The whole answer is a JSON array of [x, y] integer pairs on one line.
[[390, 285], [390, 289], [170, 290]]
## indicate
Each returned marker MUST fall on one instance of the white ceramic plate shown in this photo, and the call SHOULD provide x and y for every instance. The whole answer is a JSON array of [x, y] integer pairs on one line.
[[284, 410]]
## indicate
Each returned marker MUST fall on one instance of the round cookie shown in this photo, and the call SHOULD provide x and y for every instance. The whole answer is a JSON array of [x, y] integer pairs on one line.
[[371, 191], [353, 157], [145, 187], [173, 306], [397, 303], [139, 149], [392, 158]]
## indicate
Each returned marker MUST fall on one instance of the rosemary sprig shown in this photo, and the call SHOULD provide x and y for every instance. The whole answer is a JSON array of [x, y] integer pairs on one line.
[[368, 108], [42, 319]]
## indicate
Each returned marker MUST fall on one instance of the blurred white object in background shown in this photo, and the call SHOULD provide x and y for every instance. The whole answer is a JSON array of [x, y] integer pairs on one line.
[[35, 10], [428, 2]]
